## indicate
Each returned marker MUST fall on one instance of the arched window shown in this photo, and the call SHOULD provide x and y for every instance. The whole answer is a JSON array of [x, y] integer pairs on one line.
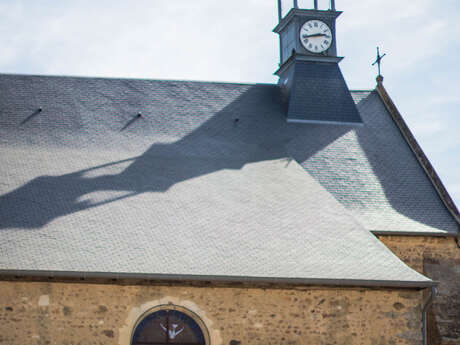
[[170, 325]]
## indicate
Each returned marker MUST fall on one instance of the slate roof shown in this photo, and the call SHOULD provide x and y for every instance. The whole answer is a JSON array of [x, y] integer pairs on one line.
[[320, 94], [210, 180]]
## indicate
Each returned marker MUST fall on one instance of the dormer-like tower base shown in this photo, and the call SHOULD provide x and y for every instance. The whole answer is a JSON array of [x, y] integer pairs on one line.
[[310, 77]]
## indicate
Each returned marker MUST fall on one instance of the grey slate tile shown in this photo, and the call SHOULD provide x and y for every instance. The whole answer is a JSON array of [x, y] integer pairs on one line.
[[320, 94], [207, 161]]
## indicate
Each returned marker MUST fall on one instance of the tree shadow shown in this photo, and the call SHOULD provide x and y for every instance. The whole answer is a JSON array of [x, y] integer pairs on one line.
[[403, 181], [252, 128]]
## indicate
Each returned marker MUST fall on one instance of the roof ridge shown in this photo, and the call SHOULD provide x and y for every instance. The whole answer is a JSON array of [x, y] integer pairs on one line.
[[132, 78], [151, 79]]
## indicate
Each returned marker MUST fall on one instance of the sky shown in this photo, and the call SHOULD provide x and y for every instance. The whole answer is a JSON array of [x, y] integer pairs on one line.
[[233, 41]]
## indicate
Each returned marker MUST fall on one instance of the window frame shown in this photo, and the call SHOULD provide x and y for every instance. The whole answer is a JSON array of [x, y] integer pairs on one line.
[[167, 307]]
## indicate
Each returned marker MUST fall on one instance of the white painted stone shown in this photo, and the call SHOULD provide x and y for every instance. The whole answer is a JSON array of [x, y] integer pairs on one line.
[[44, 301]]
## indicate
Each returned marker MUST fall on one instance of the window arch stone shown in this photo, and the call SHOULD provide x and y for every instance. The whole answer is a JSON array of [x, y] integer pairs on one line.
[[170, 325]]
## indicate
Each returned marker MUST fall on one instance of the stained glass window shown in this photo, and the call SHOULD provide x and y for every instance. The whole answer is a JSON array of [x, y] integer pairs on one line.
[[168, 326]]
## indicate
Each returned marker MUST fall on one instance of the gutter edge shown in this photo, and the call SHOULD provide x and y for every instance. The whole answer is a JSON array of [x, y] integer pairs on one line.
[[88, 276], [414, 233]]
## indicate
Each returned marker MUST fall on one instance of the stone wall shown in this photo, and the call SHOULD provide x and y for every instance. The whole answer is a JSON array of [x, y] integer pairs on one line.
[[90, 314], [439, 259]]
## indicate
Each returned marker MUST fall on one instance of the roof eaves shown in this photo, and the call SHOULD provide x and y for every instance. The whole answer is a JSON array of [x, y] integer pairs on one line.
[[417, 150], [94, 276], [413, 233]]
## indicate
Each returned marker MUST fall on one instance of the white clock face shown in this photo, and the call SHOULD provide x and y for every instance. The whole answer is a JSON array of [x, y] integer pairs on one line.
[[316, 36]]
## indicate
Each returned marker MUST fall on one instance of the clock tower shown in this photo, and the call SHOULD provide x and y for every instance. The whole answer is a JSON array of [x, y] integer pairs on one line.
[[310, 77]]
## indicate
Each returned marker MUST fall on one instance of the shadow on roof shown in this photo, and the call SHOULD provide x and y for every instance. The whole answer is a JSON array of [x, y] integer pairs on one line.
[[189, 130], [252, 128]]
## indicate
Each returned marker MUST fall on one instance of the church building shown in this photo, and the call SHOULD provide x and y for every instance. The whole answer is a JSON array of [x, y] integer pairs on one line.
[[154, 212]]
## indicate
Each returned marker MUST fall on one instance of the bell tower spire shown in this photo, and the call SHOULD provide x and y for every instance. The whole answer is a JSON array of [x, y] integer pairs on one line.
[[310, 77]]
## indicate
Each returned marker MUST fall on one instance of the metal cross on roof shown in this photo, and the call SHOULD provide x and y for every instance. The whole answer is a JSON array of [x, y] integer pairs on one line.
[[378, 61]]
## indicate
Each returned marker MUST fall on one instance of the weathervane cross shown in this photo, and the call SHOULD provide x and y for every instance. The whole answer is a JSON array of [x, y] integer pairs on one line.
[[378, 61]]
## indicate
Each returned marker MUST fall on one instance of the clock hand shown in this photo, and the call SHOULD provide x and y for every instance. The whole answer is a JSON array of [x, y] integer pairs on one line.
[[314, 35]]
